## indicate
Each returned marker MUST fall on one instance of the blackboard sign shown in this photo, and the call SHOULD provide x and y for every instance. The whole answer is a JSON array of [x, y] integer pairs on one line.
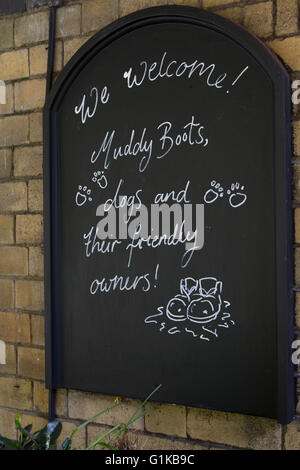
[[167, 205]]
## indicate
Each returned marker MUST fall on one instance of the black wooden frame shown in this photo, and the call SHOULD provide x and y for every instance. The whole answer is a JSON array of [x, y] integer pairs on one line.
[[282, 197]]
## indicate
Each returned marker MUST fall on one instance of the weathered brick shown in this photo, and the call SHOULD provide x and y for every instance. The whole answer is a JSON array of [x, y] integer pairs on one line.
[[36, 127], [189, 3], [31, 362], [78, 441], [8, 107], [98, 13], [289, 51], [40, 397], [134, 5], [37, 421], [35, 195], [86, 405], [7, 424], [31, 28], [15, 327], [15, 393], [13, 130], [297, 309], [234, 14], [146, 442], [296, 184], [6, 294], [38, 330], [30, 295], [234, 429], [13, 261], [6, 33], [297, 266], [36, 261], [13, 196], [29, 228], [296, 135], [14, 64], [28, 161], [167, 419], [10, 367], [68, 21], [72, 45], [6, 229], [5, 162], [61, 402], [297, 225], [292, 435], [30, 94], [39, 56], [215, 3], [287, 17], [95, 432], [258, 19]]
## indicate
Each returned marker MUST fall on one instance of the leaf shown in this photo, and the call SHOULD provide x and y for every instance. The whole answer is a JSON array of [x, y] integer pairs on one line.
[[10, 443], [48, 435], [92, 419], [66, 444], [18, 421]]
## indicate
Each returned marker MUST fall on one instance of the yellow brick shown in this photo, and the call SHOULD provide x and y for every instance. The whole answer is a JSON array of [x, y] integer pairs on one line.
[[31, 28], [258, 19], [297, 266], [144, 442], [6, 294], [216, 3], [30, 94], [13, 196], [13, 261], [15, 393], [61, 402], [29, 228], [28, 161], [297, 309], [8, 107], [189, 3], [296, 133], [10, 367], [6, 33], [30, 295], [167, 419], [6, 229], [38, 330], [287, 17], [37, 421], [40, 397], [31, 362], [36, 127], [78, 442], [98, 13], [14, 130], [95, 432], [15, 327], [292, 436], [39, 57], [297, 225], [72, 45], [289, 51], [7, 424], [36, 261], [5, 162], [297, 182], [86, 405], [134, 5], [234, 429], [233, 14], [35, 195], [68, 21], [14, 64]]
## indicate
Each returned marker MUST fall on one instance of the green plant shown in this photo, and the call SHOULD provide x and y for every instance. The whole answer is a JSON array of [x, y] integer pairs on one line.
[[46, 438]]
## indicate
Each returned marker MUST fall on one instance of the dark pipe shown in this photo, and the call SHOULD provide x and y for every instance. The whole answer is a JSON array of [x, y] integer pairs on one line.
[[50, 64]]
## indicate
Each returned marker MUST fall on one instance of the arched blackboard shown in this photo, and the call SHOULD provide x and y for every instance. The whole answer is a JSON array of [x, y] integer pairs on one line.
[[171, 105]]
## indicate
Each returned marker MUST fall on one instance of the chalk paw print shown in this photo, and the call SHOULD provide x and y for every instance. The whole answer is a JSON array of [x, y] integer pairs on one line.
[[100, 178], [83, 195], [214, 192], [237, 196]]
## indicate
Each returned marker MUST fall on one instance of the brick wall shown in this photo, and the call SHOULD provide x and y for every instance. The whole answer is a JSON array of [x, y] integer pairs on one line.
[[23, 61]]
